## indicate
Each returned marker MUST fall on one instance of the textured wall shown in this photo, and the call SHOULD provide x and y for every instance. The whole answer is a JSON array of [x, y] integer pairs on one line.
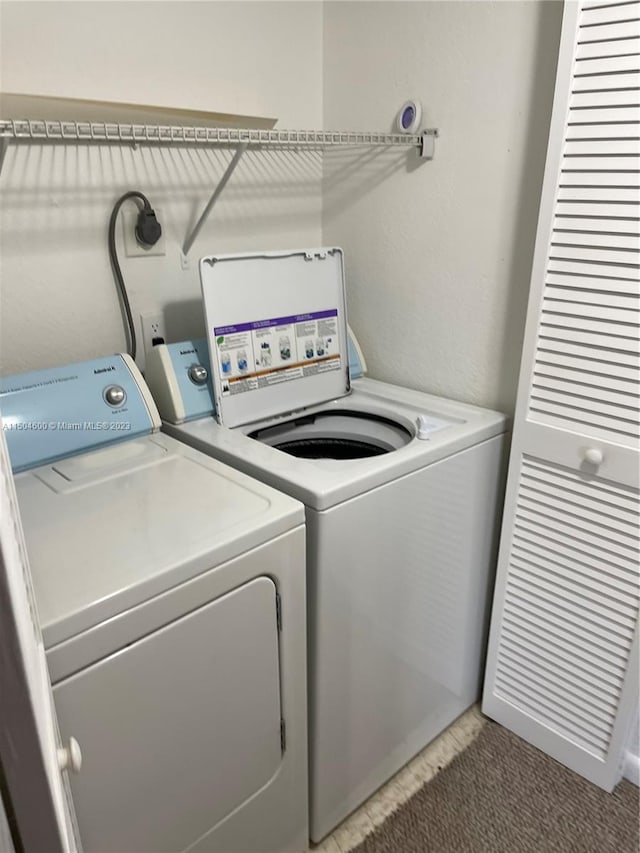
[[58, 298], [439, 254]]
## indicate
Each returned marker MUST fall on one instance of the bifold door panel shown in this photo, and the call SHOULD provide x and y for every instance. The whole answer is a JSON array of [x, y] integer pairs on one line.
[[563, 655]]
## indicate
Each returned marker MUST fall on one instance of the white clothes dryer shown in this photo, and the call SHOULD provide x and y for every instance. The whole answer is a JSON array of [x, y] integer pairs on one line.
[[171, 593], [402, 493]]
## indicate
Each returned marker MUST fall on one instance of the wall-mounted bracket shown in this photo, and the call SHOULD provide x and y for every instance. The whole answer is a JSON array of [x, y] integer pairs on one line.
[[188, 243], [4, 144], [428, 143]]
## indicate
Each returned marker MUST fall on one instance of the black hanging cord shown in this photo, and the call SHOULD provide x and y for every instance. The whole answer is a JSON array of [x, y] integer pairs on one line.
[[148, 232]]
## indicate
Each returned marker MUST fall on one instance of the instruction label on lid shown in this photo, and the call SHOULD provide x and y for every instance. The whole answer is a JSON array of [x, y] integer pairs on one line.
[[274, 350]]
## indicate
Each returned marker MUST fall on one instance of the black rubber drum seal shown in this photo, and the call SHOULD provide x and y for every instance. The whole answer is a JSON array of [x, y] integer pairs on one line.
[[335, 434]]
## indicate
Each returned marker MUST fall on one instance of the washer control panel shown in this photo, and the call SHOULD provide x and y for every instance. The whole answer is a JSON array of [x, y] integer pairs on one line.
[[48, 415], [179, 379], [198, 374]]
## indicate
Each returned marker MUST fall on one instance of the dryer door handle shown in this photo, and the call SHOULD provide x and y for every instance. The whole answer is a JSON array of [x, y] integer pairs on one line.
[[70, 757]]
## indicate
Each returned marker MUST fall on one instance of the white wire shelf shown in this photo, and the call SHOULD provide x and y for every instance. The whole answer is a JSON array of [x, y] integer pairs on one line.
[[242, 139], [21, 130]]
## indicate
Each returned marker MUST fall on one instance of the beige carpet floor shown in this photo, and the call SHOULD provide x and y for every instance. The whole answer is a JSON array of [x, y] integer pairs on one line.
[[503, 796]]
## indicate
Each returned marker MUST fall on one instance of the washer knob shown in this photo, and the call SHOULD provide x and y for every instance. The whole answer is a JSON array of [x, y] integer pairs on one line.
[[198, 374], [593, 455], [114, 395]]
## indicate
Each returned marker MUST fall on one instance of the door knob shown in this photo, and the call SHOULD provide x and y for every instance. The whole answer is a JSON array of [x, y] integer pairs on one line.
[[70, 757], [593, 455]]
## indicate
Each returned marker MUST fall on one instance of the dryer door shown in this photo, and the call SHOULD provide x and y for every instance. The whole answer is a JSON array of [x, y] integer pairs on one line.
[[180, 728]]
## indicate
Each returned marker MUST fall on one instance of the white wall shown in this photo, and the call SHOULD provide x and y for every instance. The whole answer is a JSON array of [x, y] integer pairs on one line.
[[58, 298], [439, 254]]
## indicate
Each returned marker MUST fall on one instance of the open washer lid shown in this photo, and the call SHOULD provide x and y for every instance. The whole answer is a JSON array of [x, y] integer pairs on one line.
[[277, 331]]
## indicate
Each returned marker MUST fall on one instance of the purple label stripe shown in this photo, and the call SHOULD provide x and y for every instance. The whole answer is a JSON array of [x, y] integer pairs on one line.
[[277, 321]]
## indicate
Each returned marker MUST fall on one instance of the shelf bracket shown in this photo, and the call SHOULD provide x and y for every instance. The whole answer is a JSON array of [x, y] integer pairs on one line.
[[4, 144], [428, 143], [188, 243]]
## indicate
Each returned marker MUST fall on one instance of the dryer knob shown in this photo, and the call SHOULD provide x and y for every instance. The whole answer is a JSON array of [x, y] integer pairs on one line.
[[70, 757], [198, 374], [114, 395], [422, 428]]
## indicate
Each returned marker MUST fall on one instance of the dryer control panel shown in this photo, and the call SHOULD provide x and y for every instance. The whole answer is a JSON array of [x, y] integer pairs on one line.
[[54, 413]]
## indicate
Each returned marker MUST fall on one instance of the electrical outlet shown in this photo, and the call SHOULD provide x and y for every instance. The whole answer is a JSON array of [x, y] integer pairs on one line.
[[152, 330], [132, 248]]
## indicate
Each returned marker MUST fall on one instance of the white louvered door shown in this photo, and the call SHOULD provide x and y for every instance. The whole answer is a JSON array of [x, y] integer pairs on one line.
[[562, 668]]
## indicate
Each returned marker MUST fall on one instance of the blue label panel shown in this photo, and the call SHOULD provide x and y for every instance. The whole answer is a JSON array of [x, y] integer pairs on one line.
[[54, 413], [355, 368], [196, 399]]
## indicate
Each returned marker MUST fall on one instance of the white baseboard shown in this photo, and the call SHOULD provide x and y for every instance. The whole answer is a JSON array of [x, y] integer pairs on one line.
[[632, 768]]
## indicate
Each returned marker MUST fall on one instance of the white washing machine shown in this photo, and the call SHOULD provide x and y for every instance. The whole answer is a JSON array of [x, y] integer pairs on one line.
[[402, 493], [171, 593]]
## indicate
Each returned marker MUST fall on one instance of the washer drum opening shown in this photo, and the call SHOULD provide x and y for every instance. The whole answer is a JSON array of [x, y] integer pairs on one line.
[[335, 434]]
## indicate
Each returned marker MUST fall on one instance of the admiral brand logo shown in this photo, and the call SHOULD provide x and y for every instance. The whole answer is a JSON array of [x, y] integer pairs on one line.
[[104, 369], [187, 351]]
